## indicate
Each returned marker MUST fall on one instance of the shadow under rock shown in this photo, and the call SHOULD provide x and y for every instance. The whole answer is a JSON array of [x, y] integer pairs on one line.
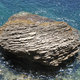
[[24, 65]]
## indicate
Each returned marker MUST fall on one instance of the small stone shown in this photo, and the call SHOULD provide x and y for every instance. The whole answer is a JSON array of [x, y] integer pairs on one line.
[[0, 71]]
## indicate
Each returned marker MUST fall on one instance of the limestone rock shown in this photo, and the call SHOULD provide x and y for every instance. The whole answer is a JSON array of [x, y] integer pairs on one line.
[[39, 39]]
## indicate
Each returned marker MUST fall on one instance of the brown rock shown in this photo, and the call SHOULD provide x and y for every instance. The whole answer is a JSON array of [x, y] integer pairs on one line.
[[39, 39]]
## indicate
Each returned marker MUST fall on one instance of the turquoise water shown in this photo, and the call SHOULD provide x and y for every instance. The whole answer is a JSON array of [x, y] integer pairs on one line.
[[60, 10]]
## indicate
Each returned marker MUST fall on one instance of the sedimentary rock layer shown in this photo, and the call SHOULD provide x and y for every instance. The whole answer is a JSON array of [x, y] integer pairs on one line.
[[39, 39]]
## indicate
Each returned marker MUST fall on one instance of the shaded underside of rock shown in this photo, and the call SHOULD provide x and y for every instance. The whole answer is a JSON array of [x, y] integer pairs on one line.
[[39, 39]]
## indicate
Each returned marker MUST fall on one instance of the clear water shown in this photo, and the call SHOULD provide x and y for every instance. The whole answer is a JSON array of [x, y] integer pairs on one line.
[[60, 10]]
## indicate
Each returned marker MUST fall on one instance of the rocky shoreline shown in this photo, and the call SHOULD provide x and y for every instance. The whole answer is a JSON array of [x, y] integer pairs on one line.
[[39, 39]]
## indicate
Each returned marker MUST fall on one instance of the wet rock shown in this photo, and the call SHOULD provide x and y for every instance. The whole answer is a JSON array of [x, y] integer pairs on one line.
[[39, 39]]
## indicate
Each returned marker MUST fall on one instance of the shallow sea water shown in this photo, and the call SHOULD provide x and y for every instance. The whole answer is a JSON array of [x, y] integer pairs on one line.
[[60, 10]]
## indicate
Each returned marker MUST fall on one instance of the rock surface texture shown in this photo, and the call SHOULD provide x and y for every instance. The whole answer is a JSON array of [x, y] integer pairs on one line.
[[39, 39]]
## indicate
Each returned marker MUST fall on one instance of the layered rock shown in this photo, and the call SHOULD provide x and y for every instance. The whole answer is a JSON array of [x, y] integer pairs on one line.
[[39, 39]]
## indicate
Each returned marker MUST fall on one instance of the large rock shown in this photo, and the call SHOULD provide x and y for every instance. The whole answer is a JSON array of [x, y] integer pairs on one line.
[[39, 39]]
